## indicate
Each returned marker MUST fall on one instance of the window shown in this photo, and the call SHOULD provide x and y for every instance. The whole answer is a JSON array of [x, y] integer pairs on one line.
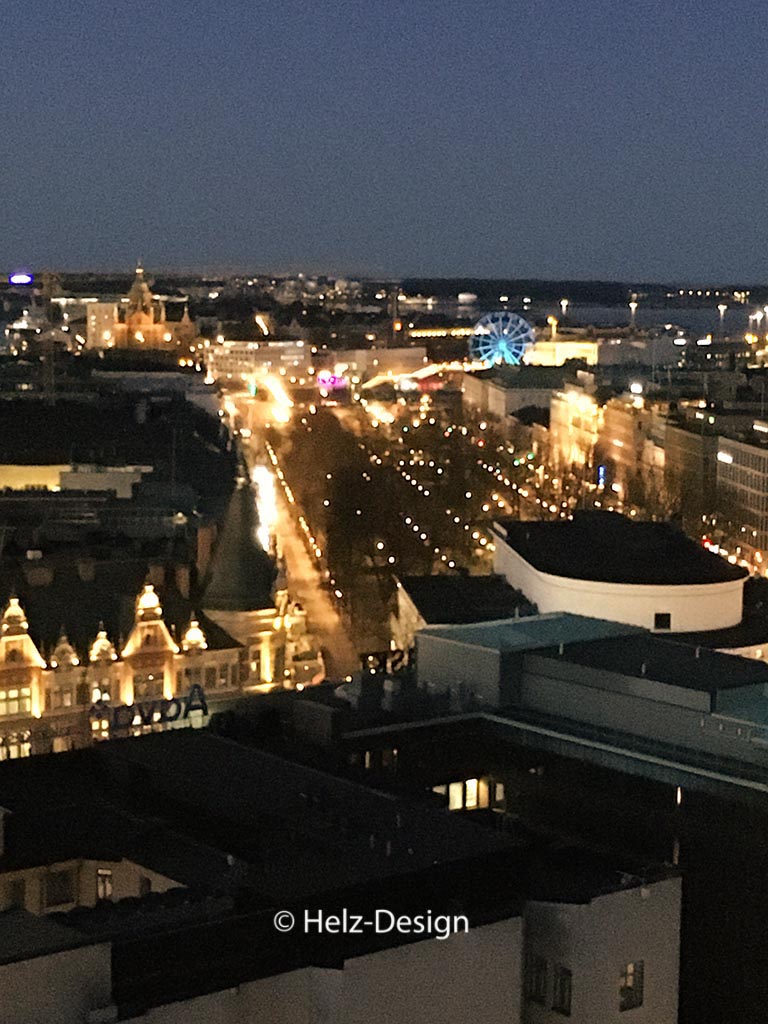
[[471, 793], [62, 697], [59, 888], [631, 986], [535, 980], [15, 702], [16, 894], [147, 686], [210, 677], [455, 796], [13, 652], [662, 620], [561, 997], [17, 744], [223, 680], [103, 884]]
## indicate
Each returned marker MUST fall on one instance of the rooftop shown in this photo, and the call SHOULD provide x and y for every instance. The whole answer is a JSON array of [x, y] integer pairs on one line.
[[242, 573], [458, 599], [645, 655], [610, 548], [531, 633]]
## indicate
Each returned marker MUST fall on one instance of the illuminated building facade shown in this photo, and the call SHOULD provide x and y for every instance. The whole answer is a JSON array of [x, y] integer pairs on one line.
[[138, 322], [575, 422], [63, 698]]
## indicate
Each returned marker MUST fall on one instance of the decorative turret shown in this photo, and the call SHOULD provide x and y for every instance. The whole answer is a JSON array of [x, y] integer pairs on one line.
[[64, 654], [14, 620], [194, 638], [102, 648], [148, 605], [140, 295]]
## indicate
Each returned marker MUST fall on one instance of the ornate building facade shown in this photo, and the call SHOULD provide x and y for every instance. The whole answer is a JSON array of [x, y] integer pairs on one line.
[[64, 698], [138, 322]]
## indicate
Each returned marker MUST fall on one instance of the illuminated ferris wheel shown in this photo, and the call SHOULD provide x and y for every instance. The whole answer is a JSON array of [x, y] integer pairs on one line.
[[501, 337]]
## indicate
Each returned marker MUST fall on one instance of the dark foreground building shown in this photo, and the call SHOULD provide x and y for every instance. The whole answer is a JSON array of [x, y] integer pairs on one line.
[[155, 879]]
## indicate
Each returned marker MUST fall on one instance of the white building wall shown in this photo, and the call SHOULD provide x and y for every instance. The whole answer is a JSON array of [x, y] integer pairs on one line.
[[445, 664], [693, 607], [596, 940], [473, 977], [406, 622], [60, 988]]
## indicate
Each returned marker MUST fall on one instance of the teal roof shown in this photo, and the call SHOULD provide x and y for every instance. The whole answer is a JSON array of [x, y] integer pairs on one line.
[[531, 632]]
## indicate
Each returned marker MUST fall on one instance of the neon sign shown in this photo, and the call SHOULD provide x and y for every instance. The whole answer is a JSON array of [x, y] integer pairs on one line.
[[328, 381]]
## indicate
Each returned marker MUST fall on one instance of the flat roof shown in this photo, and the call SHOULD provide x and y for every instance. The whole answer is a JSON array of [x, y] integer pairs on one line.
[[460, 599], [610, 548], [530, 633], [648, 656]]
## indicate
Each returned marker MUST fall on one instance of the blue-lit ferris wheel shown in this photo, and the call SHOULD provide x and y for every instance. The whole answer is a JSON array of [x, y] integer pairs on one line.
[[501, 337]]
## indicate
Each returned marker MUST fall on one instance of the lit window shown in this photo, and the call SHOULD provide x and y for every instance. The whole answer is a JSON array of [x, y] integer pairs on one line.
[[103, 884], [471, 800], [631, 986], [455, 796], [561, 996]]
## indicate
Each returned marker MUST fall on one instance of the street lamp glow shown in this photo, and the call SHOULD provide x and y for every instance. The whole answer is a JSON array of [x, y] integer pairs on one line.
[[564, 303]]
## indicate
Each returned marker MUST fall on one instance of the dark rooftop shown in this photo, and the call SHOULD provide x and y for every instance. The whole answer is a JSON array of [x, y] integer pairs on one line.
[[242, 574], [610, 548], [460, 599], [80, 596], [645, 655]]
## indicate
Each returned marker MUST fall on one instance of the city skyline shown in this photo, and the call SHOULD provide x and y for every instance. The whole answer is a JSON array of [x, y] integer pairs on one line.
[[387, 140]]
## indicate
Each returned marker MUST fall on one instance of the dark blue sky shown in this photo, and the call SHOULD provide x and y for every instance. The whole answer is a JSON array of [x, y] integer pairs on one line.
[[587, 138]]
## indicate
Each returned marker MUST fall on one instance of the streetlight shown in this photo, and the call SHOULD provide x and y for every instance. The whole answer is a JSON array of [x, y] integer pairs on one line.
[[564, 306], [552, 321], [721, 310]]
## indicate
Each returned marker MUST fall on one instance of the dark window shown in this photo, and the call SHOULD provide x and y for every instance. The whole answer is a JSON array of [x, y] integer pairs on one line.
[[17, 892], [662, 620], [82, 693], [561, 997], [535, 981], [210, 677], [631, 986], [59, 888]]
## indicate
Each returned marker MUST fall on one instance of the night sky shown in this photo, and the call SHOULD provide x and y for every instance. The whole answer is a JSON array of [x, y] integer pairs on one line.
[[587, 138]]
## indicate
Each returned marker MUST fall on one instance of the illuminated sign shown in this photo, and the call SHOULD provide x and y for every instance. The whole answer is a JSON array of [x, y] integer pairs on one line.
[[387, 662], [327, 380], [122, 716], [20, 277]]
